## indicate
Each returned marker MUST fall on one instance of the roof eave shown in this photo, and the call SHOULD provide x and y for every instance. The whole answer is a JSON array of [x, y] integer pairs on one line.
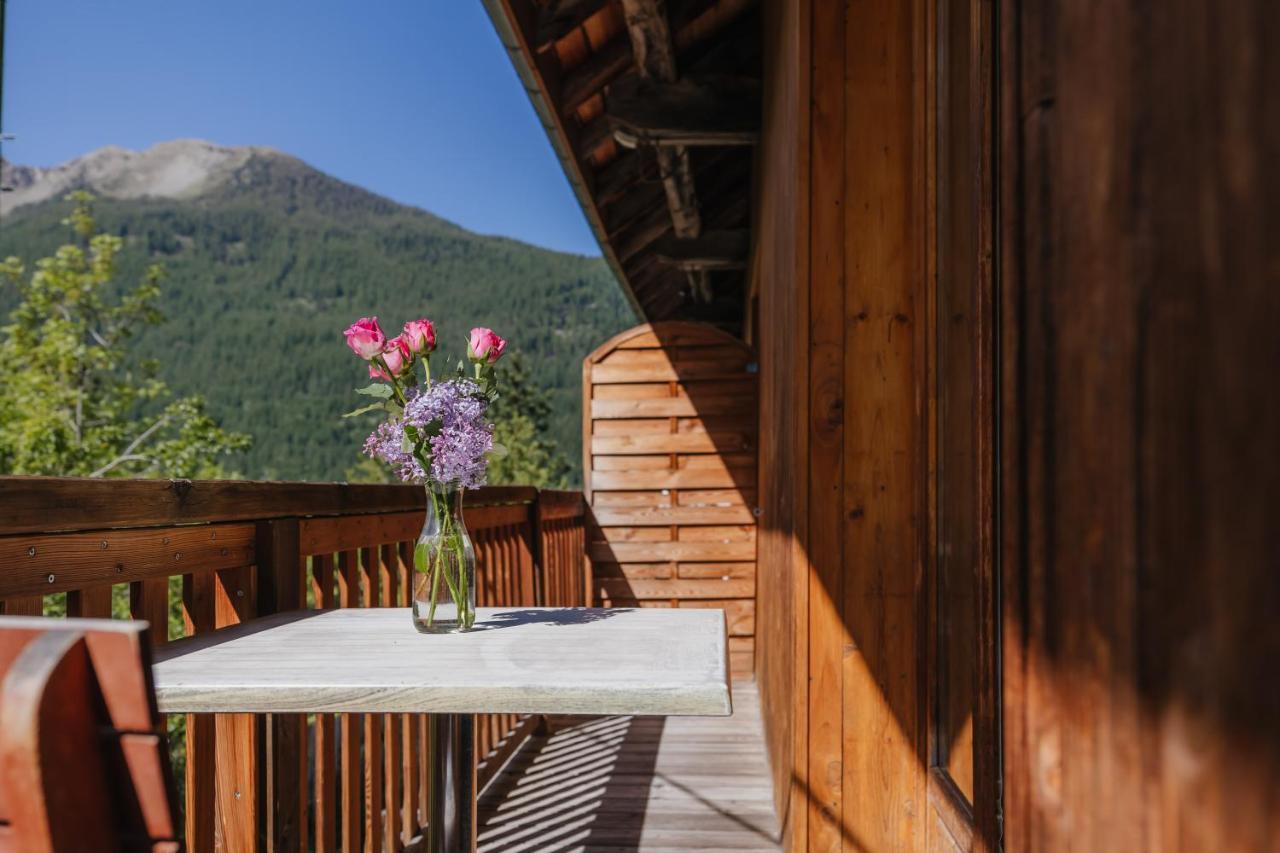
[[518, 49]]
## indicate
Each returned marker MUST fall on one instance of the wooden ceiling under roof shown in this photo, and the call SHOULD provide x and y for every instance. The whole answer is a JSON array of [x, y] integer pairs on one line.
[[654, 108]]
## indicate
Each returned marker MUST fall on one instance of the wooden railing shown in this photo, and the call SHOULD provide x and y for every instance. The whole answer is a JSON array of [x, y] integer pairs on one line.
[[194, 557]]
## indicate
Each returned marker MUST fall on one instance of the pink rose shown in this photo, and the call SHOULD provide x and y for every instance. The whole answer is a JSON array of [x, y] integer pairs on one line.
[[398, 357], [365, 337], [485, 345], [420, 335]]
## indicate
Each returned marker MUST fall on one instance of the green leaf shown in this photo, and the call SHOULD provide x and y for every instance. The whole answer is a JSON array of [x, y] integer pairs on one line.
[[377, 389], [369, 408], [420, 557]]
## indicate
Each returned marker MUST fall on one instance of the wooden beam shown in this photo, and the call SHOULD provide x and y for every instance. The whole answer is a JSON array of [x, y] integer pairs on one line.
[[560, 17], [651, 46], [612, 60], [586, 80], [594, 134], [685, 113], [713, 250], [654, 53]]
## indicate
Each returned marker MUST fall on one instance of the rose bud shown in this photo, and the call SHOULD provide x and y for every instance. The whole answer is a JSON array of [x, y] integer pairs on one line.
[[397, 356], [365, 338], [420, 335], [485, 346]]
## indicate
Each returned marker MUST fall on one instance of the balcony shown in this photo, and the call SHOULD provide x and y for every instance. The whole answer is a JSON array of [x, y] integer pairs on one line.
[[196, 557]]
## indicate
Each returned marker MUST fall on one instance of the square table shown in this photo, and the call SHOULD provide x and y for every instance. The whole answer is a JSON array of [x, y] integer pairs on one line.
[[574, 660]]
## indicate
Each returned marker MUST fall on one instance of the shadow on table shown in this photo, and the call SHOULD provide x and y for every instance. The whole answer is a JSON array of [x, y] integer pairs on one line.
[[556, 616]]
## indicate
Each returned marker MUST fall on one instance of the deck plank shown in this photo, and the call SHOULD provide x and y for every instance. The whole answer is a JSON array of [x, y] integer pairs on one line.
[[644, 784]]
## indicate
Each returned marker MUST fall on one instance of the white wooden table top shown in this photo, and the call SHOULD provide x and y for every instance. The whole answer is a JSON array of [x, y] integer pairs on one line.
[[516, 660]]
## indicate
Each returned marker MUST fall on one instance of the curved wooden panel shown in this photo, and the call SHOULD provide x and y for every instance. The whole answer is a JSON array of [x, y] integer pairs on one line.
[[670, 451]]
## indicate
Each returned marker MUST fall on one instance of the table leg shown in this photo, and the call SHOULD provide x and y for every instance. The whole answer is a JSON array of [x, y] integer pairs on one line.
[[451, 817]]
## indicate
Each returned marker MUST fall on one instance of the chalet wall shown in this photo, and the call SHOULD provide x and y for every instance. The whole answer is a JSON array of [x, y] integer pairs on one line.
[[780, 306], [1141, 474], [841, 262]]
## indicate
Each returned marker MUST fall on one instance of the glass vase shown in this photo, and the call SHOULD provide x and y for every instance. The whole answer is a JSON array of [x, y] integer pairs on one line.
[[444, 563]]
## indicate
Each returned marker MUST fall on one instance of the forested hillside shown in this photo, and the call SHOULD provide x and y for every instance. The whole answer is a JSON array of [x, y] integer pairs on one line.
[[267, 268]]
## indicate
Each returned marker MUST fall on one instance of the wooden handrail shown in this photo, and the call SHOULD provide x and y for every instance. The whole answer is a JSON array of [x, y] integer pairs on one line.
[[44, 504], [244, 550]]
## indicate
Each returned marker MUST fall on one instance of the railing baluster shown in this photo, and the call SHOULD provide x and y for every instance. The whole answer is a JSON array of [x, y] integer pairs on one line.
[[326, 815], [389, 581], [281, 588], [236, 741], [93, 602], [373, 772], [352, 787], [149, 602], [409, 821], [28, 605], [198, 613]]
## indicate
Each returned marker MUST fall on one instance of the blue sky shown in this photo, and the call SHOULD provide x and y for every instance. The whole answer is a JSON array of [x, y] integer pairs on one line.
[[413, 99]]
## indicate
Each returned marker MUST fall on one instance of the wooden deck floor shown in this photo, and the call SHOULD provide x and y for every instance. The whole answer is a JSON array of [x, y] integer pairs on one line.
[[614, 784]]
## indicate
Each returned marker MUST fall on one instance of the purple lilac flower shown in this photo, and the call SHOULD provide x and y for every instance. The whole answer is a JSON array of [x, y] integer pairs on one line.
[[458, 452], [389, 443]]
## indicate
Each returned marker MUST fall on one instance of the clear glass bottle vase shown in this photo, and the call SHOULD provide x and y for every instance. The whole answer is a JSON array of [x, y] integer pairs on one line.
[[444, 563]]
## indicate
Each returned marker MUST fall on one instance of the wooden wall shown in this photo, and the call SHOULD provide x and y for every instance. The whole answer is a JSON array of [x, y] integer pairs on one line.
[[779, 304], [1141, 274], [669, 444], [1139, 302], [840, 272]]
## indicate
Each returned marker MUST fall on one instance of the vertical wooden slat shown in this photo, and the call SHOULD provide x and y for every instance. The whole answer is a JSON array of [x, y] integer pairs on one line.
[[352, 788], [32, 605], [884, 445], [237, 740], [394, 745], [412, 757], [198, 612], [424, 769], [326, 788], [389, 580], [371, 596], [280, 589], [91, 603], [408, 722], [149, 602], [826, 433], [511, 591], [537, 544]]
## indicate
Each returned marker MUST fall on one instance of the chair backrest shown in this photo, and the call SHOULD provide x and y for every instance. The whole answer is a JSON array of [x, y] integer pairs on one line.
[[84, 763]]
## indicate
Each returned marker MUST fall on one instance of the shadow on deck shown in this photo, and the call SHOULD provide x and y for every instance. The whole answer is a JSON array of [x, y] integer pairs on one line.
[[636, 784]]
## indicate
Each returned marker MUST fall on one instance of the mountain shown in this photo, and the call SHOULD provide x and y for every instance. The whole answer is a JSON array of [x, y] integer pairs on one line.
[[269, 259]]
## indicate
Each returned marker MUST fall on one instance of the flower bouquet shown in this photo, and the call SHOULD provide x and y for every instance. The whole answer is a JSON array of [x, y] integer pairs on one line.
[[435, 434]]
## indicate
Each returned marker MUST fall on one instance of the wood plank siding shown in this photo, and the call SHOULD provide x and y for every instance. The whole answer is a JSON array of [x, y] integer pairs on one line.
[[669, 438], [1140, 361]]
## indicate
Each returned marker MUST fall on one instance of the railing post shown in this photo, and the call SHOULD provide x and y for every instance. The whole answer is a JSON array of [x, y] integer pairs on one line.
[[281, 588]]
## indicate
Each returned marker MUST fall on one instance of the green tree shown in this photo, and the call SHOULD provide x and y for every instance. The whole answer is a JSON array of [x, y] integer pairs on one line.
[[522, 427], [73, 400]]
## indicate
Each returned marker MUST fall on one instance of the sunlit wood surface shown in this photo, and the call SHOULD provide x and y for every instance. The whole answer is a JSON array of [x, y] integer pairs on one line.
[[515, 660], [636, 784]]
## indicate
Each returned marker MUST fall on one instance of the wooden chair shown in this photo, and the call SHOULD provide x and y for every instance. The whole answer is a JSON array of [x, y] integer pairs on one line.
[[84, 764]]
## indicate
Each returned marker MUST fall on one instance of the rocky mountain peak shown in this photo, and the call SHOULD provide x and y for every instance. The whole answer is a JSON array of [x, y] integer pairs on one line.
[[181, 168]]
